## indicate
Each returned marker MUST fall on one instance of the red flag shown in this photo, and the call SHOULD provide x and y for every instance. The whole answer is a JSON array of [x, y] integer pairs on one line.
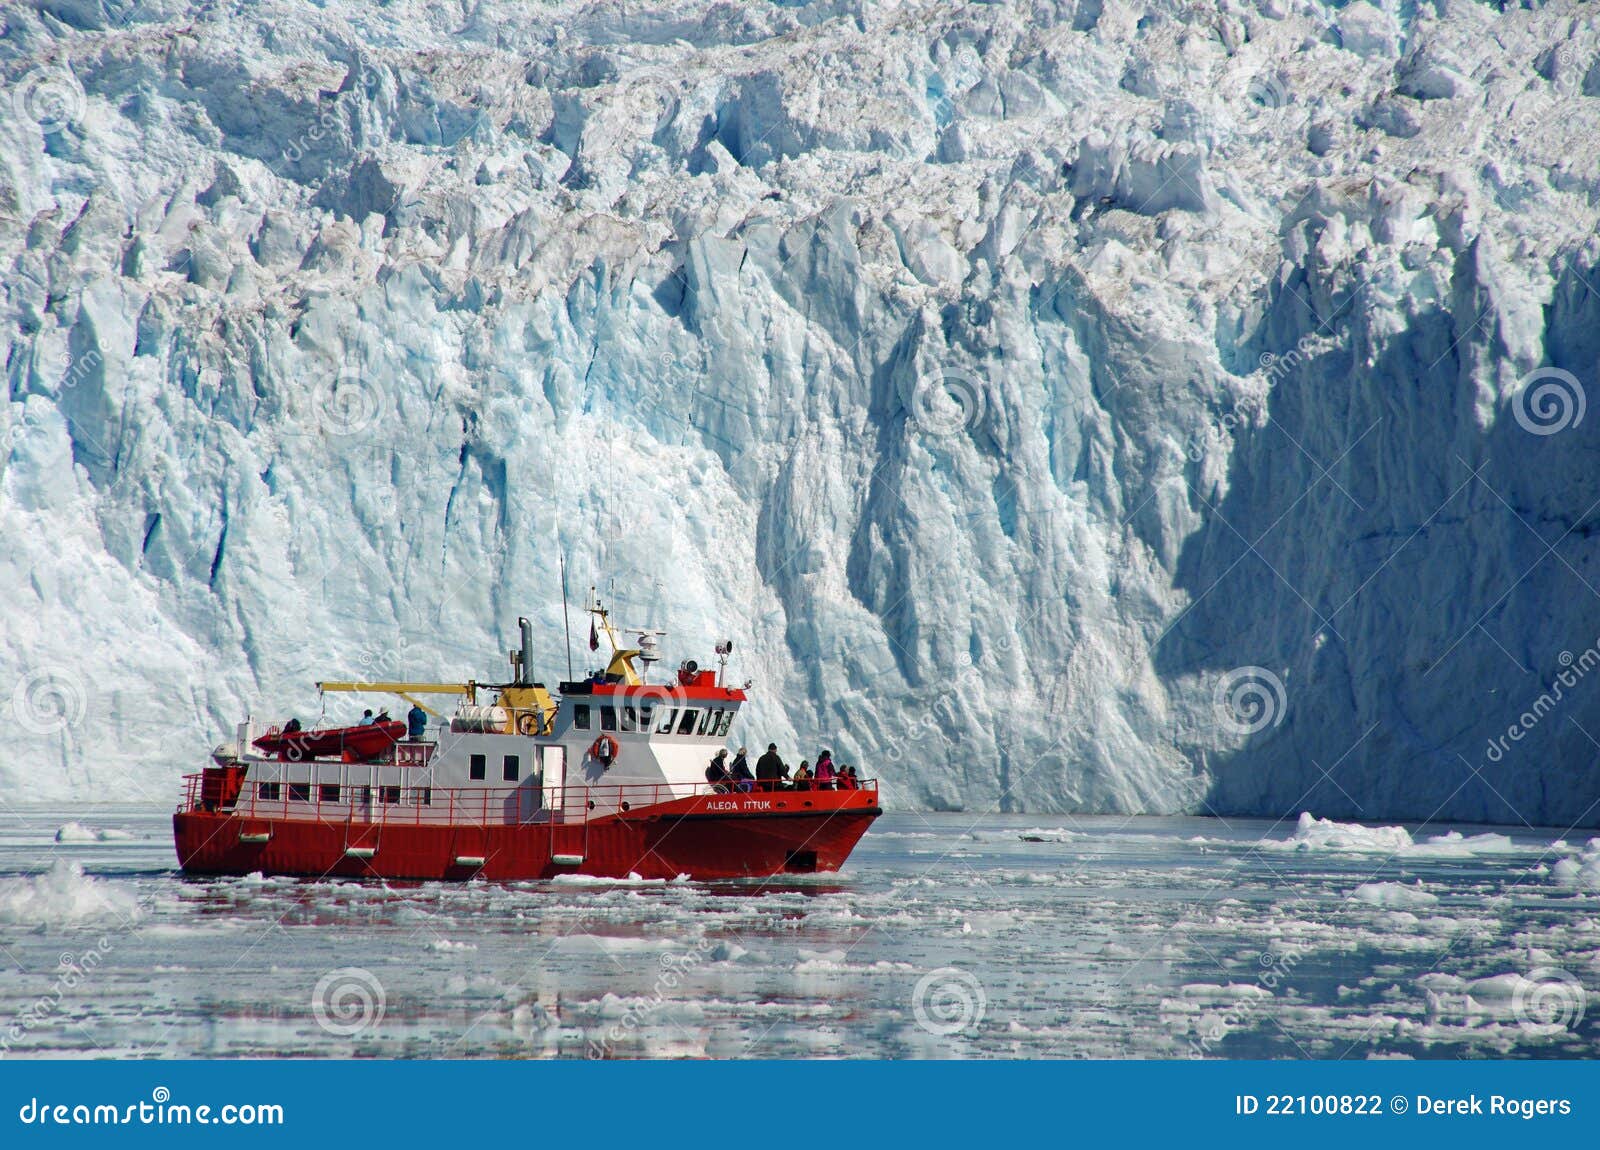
[[594, 637]]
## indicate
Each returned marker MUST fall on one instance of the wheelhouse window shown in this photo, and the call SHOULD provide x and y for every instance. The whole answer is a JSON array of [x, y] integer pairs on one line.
[[686, 724], [645, 715], [724, 723], [389, 795], [477, 766], [268, 792], [580, 717], [511, 768], [300, 792], [608, 717], [630, 717], [708, 722], [669, 716], [329, 792]]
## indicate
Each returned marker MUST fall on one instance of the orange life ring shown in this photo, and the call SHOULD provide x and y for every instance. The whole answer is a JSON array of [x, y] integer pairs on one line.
[[605, 749]]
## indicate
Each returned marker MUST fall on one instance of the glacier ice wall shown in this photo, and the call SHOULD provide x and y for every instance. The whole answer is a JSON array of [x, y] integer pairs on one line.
[[1088, 406]]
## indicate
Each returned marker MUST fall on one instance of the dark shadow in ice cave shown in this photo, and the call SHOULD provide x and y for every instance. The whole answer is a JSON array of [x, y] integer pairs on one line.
[[1418, 597]]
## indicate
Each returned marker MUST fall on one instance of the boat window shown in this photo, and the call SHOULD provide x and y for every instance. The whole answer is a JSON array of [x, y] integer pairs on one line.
[[422, 796], [267, 792], [669, 715], [708, 721], [329, 793], [727, 721], [388, 794], [477, 765], [630, 717], [608, 717], [644, 718], [300, 792], [361, 795], [511, 769], [686, 724], [580, 717]]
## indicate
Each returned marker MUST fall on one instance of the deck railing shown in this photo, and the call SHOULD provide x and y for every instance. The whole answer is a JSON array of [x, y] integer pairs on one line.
[[417, 802]]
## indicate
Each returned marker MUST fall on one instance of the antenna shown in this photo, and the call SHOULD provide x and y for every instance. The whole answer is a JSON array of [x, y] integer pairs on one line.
[[566, 623]]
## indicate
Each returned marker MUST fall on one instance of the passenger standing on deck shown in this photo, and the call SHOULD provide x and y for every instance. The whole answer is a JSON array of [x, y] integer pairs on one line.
[[771, 770], [802, 776], [717, 772], [416, 723], [825, 772], [740, 772]]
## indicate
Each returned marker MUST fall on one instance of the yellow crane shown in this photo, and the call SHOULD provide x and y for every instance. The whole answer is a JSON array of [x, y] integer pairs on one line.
[[529, 708], [407, 691]]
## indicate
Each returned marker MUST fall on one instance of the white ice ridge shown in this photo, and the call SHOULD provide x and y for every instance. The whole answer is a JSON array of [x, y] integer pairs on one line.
[[1074, 406], [1314, 834]]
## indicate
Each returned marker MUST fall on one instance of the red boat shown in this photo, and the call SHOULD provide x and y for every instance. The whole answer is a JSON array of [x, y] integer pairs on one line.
[[604, 777], [348, 744]]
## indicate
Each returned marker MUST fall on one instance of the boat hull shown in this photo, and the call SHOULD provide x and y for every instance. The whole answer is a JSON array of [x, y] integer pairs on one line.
[[695, 839]]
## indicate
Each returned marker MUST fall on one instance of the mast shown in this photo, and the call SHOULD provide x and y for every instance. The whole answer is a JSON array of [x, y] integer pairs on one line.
[[566, 623]]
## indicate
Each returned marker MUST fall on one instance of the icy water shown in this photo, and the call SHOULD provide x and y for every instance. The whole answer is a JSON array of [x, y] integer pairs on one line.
[[946, 936]]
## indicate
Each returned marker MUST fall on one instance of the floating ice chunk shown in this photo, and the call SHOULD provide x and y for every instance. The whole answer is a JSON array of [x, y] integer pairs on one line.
[[1231, 990], [1455, 841], [1581, 873], [64, 896], [599, 880], [1394, 895], [446, 945], [1314, 834], [76, 832], [1048, 835]]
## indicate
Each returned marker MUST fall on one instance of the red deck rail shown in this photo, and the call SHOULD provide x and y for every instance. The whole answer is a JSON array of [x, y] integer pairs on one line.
[[413, 803]]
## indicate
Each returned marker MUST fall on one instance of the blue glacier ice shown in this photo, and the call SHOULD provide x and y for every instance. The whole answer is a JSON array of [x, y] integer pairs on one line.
[[1089, 406]]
